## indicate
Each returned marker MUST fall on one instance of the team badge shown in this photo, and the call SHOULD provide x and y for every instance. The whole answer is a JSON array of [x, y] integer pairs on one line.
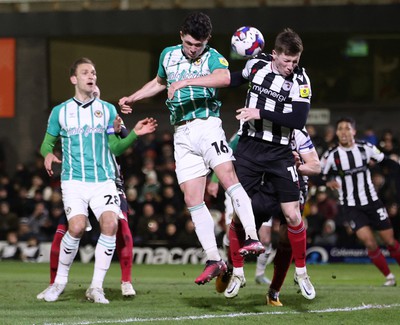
[[68, 210], [287, 85], [304, 91], [197, 62], [98, 113], [223, 61]]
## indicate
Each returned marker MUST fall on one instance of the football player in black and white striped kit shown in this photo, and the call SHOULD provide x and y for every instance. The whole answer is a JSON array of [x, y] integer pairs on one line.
[[345, 167], [277, 102]]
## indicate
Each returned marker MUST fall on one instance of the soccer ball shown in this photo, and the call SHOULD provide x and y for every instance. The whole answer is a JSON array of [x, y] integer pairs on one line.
[[247, 41]]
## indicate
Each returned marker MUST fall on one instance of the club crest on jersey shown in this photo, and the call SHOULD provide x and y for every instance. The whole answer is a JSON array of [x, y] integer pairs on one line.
[[197, 62], [98, 113], [223, 61], [304, 91], [287, 85], [68, 210]]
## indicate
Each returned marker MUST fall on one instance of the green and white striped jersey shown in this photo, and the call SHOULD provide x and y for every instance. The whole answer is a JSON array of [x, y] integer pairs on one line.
[[192, 101], [83, 129]]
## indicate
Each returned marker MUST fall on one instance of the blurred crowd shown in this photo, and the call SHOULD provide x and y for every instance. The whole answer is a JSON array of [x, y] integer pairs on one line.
[[31, 204]]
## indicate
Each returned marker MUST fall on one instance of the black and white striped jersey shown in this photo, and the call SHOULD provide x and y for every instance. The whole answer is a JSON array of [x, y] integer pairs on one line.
[[350, 168], [271, 91]]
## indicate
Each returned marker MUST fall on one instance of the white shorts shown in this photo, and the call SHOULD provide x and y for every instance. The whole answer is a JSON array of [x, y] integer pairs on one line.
[[78, 196], [200, 145]]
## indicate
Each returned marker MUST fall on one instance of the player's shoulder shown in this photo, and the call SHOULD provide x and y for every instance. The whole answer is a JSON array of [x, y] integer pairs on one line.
[[364, 143], [59, 106], [171, 48], [331, 151], [300, 76]]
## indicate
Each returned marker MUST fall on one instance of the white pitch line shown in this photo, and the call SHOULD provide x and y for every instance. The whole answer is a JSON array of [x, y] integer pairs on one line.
[[233, 315]]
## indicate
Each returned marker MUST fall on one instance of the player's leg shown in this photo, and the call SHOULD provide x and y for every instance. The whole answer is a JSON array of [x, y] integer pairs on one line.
[[366, 236], [298, 241], [124, 248], [282, 261], [223, 279], [236, 238], [391, 243], [68, 249], [220, 159], [193, 191], [191, 169], [242, 206], [106, 213], [55, 253], [262, 260]]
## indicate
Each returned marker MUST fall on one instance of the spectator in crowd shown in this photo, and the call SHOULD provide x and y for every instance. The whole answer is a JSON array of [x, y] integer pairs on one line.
[[327, 206], [30, 252], [328, 236], [315, 221], [9, 221], [12, 250], [389, 145]]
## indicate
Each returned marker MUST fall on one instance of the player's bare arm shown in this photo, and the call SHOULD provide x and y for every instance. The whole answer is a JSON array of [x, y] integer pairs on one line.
[[219, 78], [150, 89], [311, 165]]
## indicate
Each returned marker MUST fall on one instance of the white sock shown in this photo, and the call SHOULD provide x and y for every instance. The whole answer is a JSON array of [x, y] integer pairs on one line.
[[238, 271], [242, 205], [301, 270], [103, 256], [262, 260], [68, 249], [204, 227]]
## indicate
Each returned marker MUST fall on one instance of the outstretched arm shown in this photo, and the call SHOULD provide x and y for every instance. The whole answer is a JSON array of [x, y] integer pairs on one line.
[[118, 145], [150, 89], [219, 78]]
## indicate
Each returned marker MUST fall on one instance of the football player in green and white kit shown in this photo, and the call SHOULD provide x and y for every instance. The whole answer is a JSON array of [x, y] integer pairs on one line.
[[192, 72]]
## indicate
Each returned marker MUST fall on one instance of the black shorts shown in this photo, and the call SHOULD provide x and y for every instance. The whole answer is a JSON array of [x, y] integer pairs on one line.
[[258, 160], [373, 215]]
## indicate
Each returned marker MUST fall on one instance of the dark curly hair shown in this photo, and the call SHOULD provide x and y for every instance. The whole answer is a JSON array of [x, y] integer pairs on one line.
[[198, 25]]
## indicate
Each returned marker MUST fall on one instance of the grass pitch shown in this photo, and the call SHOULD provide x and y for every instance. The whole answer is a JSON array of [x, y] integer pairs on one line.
[[167, 294]]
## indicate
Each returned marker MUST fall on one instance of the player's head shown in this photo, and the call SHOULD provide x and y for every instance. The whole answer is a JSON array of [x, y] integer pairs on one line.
[[287, 51], [195, 33], [83, 76], [346, 131]]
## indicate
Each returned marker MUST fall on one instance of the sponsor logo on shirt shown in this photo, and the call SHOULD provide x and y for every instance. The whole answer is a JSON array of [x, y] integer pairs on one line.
[[266, 91], [304, 91], [223, 61]]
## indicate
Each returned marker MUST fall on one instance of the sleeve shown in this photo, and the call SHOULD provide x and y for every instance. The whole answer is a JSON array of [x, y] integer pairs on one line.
[[325, 165], [376, 154], [48, 144], [53, 124], [295, 120], [247, 68], [237, 79], [217, 61], [161, 71], [118, 145]]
